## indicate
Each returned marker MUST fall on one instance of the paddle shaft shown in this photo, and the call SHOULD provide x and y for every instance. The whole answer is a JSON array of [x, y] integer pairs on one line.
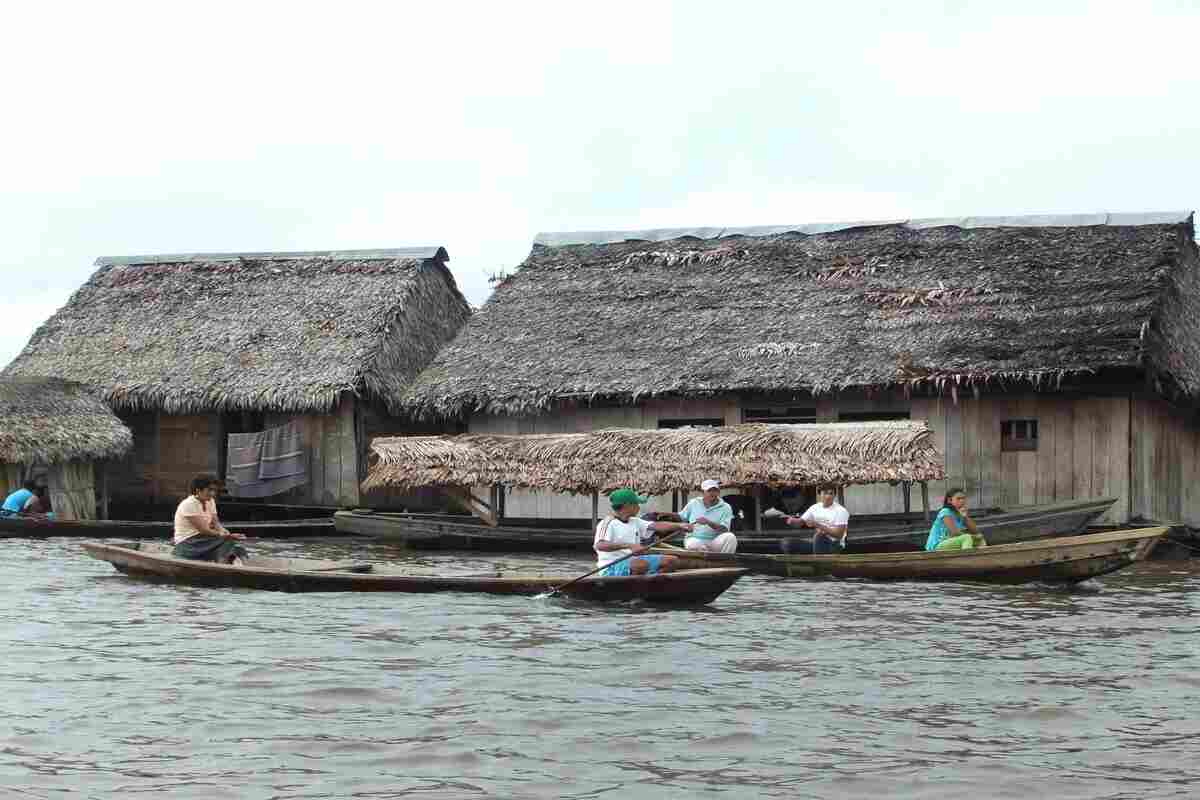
[[655, 543]]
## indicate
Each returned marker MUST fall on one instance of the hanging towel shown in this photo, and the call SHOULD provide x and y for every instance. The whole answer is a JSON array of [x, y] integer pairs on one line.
[[266, 463]]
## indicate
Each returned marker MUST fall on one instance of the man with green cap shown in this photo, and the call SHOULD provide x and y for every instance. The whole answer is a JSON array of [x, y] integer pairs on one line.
[[621, 534]]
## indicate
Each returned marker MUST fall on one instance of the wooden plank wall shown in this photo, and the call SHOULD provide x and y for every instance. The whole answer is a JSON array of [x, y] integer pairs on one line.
[[168, 451], [1083, 449], [1165, 462], [131, 478], [72, 489], [187, 447], [332, 444]]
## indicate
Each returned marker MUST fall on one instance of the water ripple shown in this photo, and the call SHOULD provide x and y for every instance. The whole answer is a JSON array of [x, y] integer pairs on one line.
[[114, 687]]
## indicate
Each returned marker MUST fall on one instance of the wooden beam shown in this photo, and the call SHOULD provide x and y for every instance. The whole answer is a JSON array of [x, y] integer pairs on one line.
[[156, 485], [925, 499], [595, 510], [841, 495], [760, 497], [472, 504], [906, 491], [102, 467]]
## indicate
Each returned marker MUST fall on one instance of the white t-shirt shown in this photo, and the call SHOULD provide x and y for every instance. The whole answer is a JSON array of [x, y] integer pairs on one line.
[[833, 517], [614, 531], [192, 507]]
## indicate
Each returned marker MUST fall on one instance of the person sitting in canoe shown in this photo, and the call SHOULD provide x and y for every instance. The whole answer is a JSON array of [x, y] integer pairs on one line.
[[621, 535], [15, 503], [199, 533], [953, 528], [39, 504], [829, 518], [711, 519]]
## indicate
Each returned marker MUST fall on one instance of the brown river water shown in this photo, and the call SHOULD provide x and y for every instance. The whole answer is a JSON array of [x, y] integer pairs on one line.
[[113, 687]]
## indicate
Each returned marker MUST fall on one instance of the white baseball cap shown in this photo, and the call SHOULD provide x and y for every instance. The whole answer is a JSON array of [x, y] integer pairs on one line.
[[711, 483]]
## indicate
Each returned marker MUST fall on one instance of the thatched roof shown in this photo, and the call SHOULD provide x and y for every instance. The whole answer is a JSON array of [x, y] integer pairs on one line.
[[46, 420], [283, 332], [661, 460], [943, 303]]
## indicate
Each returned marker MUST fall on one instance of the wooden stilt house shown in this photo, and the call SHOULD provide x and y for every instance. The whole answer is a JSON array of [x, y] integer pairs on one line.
[[1055, 358], [60, 435], [188, 349]]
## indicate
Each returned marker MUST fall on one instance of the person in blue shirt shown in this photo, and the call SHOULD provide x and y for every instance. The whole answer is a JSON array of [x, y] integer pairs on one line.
[[712, 518], [953, 529], [15, 503]]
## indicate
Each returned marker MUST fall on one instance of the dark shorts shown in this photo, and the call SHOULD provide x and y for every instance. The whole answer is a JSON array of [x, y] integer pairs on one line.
[[819, 545], [209, 548]]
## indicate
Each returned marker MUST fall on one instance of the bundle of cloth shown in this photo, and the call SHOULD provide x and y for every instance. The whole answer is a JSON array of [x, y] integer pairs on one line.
[[266, 463]]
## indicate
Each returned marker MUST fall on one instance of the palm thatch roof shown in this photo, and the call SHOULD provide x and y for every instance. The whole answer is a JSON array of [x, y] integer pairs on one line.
[[661, 460], [820, 308], [285, 332], [45, 420]]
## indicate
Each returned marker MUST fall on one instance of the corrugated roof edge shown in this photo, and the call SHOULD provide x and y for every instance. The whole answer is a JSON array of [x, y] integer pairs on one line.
[[423, 253], [1030, 221]]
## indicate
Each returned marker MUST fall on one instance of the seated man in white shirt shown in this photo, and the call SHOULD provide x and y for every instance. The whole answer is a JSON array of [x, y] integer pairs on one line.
[[621, 535], [830, 519], [711, 518]]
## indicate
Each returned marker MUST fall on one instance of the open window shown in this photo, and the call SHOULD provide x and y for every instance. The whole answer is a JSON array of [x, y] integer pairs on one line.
[[872, 416], [696, 422], [1018, 435], [780, 415]]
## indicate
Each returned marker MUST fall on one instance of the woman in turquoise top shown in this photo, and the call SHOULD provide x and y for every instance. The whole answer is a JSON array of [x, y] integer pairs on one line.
[[954, 529]]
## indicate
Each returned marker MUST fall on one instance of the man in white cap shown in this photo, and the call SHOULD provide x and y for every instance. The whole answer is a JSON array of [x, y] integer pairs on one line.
[[711, 518]]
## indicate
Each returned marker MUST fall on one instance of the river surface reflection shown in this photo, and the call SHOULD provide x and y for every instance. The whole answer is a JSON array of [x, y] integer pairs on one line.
[[115, 687]]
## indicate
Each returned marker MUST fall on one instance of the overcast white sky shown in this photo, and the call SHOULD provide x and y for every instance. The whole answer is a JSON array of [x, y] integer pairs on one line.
[[169, 127]]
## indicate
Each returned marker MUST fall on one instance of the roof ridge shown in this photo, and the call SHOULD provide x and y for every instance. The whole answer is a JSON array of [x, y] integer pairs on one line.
[[566, 238], [424, 253]]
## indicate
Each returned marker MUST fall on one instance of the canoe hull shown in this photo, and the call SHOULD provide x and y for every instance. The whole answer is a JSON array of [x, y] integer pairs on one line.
[[1061, 560], [684, 588], [434, 531]]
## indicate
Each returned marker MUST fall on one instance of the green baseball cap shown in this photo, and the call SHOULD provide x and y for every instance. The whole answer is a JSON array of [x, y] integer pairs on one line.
[[623, 497]]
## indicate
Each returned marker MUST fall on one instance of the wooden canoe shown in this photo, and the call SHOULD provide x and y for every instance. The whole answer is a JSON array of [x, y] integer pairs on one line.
[[155, 562], [445, 531], [26, 527], [1063, 560]]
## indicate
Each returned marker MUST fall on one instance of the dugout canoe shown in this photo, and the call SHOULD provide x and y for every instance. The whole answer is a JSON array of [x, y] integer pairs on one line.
[[30, 527], [154, 562], [451, 532], [1062, 560]]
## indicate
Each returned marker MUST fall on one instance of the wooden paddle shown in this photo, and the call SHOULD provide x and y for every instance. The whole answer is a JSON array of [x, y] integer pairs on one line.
[[655, 543]]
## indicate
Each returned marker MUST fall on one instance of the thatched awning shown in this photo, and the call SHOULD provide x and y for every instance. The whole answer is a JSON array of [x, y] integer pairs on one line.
[[45, 420], [661, 460], [287, 332], [931, 304]]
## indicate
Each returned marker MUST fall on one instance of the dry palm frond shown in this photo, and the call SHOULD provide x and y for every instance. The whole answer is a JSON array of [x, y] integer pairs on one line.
[[45, 420], [661, 460], [265, 332], [789, 312]]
